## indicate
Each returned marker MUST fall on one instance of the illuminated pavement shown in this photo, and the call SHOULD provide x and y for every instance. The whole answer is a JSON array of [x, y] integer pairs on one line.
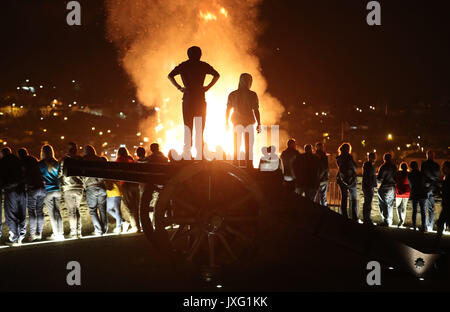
[[291, 261]]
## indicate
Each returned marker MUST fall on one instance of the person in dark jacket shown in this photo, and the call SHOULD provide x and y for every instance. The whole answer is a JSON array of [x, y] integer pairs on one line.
[[95, 195], [346, 179], [418, 194], [307, 172], [431, 171], [288, 157], [324, 174], [402, 193], [156, 155], [369, 182], [50, 167], [72, 188], [146, 190], [35, 188], [444, 217], [386, 191], [12, 182]]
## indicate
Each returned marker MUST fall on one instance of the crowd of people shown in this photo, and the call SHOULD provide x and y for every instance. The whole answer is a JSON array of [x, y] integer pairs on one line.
[[308, 174], [29, 184]]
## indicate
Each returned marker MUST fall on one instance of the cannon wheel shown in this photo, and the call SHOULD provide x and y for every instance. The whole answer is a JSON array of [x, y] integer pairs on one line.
[[210, 214]]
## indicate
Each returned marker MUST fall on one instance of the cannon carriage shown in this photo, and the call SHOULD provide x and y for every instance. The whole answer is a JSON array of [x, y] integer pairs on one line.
[[213, 214], [210, 213]]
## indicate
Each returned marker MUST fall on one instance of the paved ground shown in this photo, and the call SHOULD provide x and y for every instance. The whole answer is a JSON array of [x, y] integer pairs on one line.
[[291, 260]]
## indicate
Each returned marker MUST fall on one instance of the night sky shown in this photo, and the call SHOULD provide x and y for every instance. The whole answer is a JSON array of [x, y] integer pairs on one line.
[[327, 54]]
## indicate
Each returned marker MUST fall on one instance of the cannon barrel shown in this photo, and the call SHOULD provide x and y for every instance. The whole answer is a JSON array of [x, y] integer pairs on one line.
[[130, 172]]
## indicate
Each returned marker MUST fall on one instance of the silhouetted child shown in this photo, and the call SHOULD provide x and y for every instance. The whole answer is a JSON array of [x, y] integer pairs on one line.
[[444, 217]]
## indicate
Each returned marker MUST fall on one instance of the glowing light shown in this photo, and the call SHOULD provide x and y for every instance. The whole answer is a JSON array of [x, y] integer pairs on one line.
[[146, 139], [100, 133], [109, 131], [325, 134], [62, 137], [224, 12], [55, 114], [390, 137], [93, 128], [104, 144], [5, 143], [138, 134], [208, 16], [159, 127], [45, 130], [65, 118]]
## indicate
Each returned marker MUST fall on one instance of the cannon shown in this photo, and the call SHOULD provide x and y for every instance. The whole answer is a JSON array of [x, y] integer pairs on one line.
[[210, 213], [213, 214]]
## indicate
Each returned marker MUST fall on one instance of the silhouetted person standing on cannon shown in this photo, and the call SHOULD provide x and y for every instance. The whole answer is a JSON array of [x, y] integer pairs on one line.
[[243, 106], [193, 72]]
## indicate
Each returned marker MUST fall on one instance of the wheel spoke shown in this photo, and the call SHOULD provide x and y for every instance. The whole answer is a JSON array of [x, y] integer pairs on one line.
[[185, 205], [227, 246], [238, 203], [195, 246], [179, 220], [211, 244], [176, 232], [240, 219], [238, 233]]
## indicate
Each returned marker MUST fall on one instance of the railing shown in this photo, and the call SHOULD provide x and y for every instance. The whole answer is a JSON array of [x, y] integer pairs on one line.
[[334, 196]]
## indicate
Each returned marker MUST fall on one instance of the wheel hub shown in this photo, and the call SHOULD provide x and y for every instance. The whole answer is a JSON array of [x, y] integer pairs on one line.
[[214, 223]]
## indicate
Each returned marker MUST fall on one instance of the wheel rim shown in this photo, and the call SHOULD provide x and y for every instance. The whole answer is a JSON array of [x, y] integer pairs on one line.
[[208, 214]]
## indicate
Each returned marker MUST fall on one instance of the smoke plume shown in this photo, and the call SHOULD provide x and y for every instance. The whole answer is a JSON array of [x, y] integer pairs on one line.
[[153, 36]]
